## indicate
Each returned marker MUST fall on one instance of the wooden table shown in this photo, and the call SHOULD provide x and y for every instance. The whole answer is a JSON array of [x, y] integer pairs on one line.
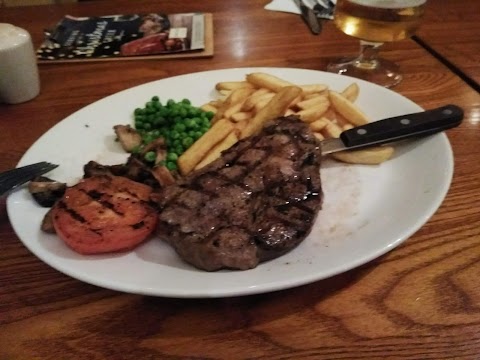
[[452, 30], [420, 301]]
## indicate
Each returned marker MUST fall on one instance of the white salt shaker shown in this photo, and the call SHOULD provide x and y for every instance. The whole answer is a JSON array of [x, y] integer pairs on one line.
[[19, 80]]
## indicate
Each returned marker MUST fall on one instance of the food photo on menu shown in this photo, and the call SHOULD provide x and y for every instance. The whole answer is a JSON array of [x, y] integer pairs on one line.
[[117, 36]]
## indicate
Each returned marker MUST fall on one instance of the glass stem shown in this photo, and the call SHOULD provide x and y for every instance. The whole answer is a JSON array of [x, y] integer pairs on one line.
[[368, 58]]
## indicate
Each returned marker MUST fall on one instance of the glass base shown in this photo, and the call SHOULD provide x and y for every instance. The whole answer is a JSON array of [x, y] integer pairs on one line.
[[382, 72]]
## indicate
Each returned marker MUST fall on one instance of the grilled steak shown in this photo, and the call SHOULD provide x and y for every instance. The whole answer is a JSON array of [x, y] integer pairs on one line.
[[256, 202]]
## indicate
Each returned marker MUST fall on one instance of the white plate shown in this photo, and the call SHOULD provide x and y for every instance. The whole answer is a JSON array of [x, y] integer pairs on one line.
[[368, 210]]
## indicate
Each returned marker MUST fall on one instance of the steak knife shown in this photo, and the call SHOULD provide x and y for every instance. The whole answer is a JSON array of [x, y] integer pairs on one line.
[[395, 128], [308, 15]]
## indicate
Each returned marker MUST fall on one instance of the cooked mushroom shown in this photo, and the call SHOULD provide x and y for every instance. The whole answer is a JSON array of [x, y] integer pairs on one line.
[[93, 168], [163, 175], [46, 191], [129, 137], [47, 223], [159, 147]]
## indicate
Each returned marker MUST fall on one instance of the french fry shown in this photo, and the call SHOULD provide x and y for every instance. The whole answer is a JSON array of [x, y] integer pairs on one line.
[[259, 105], [339, 119], [216, 103], [289, 112], [313, 88], [254, 98], [236, 96], [232, 110], [314, 112], [241, 116], [239, 95], [319, 125], [330, 114], [239, 126], [215, 152], [195, 153], [347, 109], [332, 130], [225, 92], [312, 95], [208, 107], [243, 107], [369, 156], [232, 85], [313, 101], [296, 101], [276, 107], [271, 82], [351, 92]]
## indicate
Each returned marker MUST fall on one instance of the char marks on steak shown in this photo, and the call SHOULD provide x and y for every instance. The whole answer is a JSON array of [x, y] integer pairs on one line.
[[256, 202]]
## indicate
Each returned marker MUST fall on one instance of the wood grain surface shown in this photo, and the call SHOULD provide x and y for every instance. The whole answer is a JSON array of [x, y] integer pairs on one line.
[[419, 301], [452, 30]]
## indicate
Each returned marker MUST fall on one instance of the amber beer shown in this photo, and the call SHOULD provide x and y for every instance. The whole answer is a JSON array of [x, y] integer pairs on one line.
[[379, 20]]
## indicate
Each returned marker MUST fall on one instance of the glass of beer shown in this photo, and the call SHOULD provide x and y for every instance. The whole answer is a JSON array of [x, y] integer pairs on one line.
[[375, 22]]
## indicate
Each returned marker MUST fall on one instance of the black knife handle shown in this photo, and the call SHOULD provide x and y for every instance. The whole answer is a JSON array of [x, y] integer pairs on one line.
[[405, 126]]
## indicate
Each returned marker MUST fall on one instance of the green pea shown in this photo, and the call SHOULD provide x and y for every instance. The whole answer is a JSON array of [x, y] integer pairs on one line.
[[172, 156], [173, 113], [136, 149], [205, 121], [210, 115], [139, 117], [190, 123], [192, 112], [163, 111], [158, 121], [147, 139], [150, 156], [183, 112], [172, 166], [179, 127], [179, 149], [187, 142]]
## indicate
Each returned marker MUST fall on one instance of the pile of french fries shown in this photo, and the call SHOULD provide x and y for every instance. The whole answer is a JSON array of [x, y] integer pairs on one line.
[[243, 107]]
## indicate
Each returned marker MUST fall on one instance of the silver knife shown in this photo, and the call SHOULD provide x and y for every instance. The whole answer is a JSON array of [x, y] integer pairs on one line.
[[308, 15], [395, 128]]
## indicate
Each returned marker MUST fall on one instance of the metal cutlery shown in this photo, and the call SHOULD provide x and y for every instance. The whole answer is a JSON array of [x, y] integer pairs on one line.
[[308, 15], [12, 179], [395, 128]]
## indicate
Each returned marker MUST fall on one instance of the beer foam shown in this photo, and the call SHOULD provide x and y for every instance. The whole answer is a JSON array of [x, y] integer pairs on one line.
[[389, 4]]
